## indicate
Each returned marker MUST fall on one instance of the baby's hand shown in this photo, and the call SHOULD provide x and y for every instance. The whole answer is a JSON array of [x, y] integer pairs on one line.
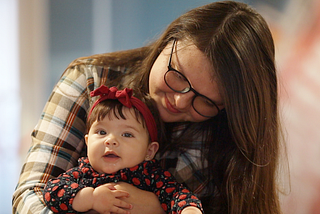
[[106, 200]]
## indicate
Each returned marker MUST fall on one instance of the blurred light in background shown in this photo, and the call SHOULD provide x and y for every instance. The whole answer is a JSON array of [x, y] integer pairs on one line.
[[10, 102]]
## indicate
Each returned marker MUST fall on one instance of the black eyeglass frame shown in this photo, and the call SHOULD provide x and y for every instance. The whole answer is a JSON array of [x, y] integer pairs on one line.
[[170, 68]]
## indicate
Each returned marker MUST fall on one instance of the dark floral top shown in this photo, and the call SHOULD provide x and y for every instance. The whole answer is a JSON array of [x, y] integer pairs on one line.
[[60, 192]]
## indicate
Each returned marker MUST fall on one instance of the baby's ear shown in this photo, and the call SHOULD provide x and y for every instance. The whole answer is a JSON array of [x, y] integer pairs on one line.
[[86, 139], [152, 150]]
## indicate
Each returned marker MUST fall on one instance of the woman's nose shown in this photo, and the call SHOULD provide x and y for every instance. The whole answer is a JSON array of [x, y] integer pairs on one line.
[[111, 141], [183, 101]]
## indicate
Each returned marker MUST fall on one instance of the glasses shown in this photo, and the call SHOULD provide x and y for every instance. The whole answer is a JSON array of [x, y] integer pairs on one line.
[[177, 82]]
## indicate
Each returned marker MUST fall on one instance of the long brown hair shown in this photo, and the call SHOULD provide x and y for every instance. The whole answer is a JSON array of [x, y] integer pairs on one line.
[[243, 141], [238, 42]]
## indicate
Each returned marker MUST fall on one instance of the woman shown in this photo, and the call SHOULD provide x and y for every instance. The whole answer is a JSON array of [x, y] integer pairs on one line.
[[213, 77]]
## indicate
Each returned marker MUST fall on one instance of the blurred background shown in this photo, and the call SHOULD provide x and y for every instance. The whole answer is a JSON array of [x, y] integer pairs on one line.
[[39, 38]]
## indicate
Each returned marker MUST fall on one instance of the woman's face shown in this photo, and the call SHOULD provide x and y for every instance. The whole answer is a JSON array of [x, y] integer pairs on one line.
[[193, 64]]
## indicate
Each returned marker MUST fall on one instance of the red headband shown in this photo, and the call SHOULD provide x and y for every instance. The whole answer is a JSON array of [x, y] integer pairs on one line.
[[125, 97]]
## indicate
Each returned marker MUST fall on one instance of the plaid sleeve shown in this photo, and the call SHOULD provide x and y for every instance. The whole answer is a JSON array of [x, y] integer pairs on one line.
[[58, 138]]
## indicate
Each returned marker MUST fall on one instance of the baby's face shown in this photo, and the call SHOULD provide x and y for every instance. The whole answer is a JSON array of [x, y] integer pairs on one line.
[[114, 144]]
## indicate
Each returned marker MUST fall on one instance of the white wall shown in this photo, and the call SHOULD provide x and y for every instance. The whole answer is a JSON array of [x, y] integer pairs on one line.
[[10, 102]]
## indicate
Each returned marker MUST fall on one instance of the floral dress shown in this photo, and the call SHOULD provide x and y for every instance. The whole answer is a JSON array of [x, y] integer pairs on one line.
[[173, 196]]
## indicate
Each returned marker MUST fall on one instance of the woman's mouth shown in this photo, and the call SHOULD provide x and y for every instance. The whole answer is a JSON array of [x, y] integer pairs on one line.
[[170, 107]]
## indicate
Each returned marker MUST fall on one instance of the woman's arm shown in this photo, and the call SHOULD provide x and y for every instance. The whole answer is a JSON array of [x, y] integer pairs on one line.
[[57, 140], [142, 201]]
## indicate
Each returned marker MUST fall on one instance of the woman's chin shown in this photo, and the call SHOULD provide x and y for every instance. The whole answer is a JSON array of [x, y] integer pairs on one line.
[[167, 118]]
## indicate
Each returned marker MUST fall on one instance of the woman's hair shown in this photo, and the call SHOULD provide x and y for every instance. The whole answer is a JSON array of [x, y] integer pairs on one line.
[[242, 143]]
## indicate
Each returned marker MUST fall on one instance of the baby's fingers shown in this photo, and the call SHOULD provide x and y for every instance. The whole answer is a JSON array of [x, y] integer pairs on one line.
[[118, 210], [120, 193], [122, 204], [110, 186]]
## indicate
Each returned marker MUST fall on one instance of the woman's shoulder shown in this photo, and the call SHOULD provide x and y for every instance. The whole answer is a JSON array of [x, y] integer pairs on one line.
[[113, 68], [113, 59], [111, 64], [88, 63], [92, 69]]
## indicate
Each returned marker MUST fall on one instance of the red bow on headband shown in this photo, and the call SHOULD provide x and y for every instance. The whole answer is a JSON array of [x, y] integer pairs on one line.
[[125, 97], [113, 93]]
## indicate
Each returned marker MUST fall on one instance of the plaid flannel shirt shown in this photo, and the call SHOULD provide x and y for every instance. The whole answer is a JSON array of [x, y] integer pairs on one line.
[[58, 140]]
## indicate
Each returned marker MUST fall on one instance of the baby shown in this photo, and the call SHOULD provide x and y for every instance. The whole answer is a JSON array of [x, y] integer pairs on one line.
[[122, 143]]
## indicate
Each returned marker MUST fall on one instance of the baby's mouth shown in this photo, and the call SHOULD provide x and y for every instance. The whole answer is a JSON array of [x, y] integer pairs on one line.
[[110, 154]]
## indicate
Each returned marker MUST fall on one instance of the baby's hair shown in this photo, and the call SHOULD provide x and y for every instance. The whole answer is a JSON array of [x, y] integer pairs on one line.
[[113, 108]]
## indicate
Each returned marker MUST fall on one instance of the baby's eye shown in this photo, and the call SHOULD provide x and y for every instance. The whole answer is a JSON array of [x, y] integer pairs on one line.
[[101, 132], [127, 135]]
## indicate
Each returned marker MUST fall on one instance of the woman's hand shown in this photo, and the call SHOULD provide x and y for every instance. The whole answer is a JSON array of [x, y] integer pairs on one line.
[[191, 210], [142, 201]]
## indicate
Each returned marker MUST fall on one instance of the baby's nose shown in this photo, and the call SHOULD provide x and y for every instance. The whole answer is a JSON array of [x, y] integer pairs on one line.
[[111, 141]]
